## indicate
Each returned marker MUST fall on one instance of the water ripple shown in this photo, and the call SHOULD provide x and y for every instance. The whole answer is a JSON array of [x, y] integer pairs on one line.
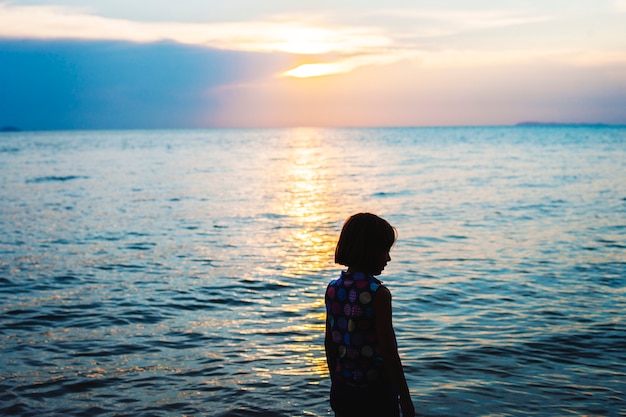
[[187, 277]]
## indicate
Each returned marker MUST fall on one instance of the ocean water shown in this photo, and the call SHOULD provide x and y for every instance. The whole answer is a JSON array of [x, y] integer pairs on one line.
[[171, 273]]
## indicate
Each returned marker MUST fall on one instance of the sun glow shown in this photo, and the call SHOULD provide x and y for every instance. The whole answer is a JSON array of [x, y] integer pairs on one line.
[[302, 40], [347, 65], [315, 70]]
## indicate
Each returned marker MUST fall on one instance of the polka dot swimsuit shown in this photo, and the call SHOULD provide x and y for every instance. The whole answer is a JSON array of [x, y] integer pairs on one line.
[[351, 318]]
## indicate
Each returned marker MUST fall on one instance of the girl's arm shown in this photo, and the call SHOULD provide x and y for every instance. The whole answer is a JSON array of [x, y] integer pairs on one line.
[[389, 349], [330, 351]]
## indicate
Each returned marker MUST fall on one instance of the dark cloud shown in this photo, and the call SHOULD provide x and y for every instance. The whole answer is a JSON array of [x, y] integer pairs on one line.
[[117, 85]]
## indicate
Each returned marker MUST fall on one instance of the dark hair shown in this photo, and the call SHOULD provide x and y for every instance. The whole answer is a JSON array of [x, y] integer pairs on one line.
[[363, 238]]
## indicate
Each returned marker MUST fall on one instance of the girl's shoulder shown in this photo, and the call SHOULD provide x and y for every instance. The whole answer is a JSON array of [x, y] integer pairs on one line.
[[382, 299], [377, 286], [384, 290]]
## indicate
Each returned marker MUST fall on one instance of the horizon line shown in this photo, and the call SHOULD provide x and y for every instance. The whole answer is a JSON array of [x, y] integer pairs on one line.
[[16, 129]]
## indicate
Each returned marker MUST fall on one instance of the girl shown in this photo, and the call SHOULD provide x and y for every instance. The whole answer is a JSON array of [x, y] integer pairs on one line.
[[361, 351]]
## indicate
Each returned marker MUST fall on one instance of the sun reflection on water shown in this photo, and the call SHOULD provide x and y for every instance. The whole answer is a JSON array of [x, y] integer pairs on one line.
[[307, 199]]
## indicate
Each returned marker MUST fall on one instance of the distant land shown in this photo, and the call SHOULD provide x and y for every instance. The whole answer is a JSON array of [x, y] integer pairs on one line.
[[10, 129], [557, 124]]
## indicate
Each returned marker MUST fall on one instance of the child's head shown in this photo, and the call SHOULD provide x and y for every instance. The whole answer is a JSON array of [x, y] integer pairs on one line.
[[364, 243]]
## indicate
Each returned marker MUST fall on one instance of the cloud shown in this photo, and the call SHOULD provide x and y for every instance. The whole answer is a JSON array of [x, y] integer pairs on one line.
[[298, 34], [354, 46], [620, 6], [277, 35], [427, 23], [347, 65], [382, 37], [63, 84]]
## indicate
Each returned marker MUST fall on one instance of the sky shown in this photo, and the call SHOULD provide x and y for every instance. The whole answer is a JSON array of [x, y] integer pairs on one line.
[[113, 64]]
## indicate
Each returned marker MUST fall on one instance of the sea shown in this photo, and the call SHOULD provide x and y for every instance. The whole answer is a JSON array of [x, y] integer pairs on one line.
[[182, 272]]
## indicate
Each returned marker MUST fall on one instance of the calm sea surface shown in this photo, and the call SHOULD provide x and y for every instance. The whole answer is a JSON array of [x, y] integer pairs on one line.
[[171, 273]]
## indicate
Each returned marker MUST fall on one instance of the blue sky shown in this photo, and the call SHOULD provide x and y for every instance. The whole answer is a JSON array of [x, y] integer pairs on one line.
[[110, 64]]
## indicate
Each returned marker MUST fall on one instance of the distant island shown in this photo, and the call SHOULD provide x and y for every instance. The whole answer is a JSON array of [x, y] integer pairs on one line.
[[10, 129], [557, 124]]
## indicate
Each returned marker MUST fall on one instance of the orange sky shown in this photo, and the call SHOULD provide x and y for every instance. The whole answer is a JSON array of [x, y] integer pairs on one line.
[[322, 64]]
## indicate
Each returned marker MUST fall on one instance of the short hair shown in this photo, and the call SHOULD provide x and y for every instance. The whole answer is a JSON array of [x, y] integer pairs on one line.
[[364, 237]]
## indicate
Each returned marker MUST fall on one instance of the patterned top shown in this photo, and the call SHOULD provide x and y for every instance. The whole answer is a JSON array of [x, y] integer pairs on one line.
[[352, 329]]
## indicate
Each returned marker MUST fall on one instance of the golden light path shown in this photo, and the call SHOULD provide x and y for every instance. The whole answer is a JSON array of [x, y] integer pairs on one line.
[[307, 198]]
